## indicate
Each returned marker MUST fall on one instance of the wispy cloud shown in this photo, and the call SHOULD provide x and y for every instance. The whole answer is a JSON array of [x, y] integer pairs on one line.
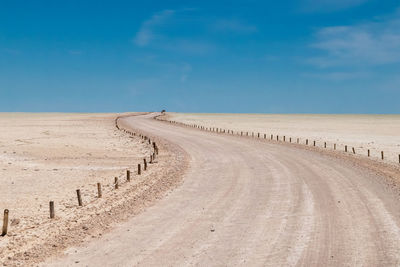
[[329, 5], [146, 32], [153, 32], [374, 43], [184, 31]]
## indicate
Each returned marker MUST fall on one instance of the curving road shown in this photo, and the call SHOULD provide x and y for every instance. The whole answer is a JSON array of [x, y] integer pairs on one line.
[[252, 203]]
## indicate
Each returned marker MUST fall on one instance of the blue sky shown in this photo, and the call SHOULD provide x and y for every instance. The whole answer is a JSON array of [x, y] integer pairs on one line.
[[304, 56]]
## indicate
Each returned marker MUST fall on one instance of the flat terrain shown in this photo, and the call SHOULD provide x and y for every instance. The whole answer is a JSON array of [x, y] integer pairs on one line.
[[251, 202], [375, 132], [46, 157]]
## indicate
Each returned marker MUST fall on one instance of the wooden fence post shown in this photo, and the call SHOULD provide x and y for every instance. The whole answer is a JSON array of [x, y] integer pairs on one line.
[[284, 138], [334, 146], [314, 142], [78, 193], [290, 139], [306, 141], [298, 140], [382, 155], [138, 169], [324, 144], [5, 223], [128, 175], [116, 182], [354, 151], [345, 148], [368, 153], [51, 209], [144, 164], [272, 136], [99, 193]]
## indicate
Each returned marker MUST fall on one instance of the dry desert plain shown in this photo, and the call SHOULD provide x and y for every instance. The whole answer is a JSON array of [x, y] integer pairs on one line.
[[47, 157], [375, 132], [235, 201]]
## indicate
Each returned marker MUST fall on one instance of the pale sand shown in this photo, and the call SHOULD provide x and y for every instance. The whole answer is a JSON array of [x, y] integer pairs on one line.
[[375, 132], [46, 157], [246, 202]]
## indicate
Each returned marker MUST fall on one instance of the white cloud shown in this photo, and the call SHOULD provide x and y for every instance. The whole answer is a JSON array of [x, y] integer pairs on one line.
[[374, 43]]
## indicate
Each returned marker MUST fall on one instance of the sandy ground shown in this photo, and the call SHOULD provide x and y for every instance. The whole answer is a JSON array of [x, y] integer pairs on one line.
[[252, 202], [46, 157], [375, 132]]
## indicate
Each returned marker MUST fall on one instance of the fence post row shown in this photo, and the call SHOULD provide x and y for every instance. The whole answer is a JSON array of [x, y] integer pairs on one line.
[[259, 136]]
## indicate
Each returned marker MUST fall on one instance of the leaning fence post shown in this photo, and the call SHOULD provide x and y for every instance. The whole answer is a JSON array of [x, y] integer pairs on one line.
[[5, 223], [354, 151], [99, 193], [78, 193], [51, 209], [116, 182]]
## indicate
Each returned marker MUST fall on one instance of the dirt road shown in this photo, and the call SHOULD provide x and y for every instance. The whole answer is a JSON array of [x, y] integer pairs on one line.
[[253, 203]]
